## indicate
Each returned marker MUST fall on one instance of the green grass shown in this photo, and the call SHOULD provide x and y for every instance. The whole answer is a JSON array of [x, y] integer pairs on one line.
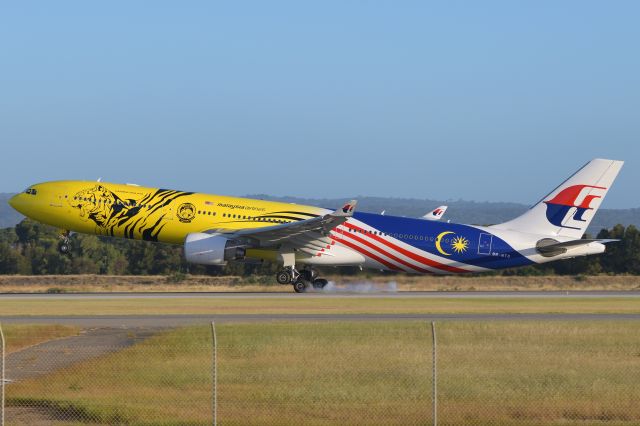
[[521, 373], [319, 305]]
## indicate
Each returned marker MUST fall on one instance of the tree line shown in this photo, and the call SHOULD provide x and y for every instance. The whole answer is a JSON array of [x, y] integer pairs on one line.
[[31, 248]]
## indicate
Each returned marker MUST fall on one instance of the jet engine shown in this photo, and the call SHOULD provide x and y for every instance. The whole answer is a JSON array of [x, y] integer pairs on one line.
[[207, 249]]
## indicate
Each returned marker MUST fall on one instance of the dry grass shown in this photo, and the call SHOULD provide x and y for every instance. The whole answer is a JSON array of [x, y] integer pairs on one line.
[[108, 283], [127, 283], [522, 373], [20, 336], [165, 380], [540, 373]]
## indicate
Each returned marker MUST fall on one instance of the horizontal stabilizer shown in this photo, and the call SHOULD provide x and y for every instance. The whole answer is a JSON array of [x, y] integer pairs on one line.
[[551, 247]]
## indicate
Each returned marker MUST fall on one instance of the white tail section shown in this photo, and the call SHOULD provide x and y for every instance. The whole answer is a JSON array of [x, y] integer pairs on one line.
[[567, 210]]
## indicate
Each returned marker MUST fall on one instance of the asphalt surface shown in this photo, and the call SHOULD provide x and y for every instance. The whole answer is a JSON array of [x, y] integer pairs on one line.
[[52, 355], [186, 319]]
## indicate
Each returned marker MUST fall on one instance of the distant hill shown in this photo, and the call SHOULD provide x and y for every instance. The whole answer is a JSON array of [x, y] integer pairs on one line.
[[471, 212], [8, 216]]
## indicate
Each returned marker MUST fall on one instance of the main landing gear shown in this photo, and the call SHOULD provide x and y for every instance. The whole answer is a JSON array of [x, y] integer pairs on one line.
[[301, 280], [64, 246]]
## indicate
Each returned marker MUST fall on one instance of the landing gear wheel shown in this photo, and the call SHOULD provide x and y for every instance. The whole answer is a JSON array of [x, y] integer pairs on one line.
[[283, 277], [299, 286], [64, 247], [320, 283]]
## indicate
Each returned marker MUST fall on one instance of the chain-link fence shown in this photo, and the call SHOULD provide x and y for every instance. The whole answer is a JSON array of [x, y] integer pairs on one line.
[[112, 376], [351, 372]]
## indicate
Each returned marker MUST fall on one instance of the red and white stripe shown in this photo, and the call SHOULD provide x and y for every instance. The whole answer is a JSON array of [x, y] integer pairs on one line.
[[392, 253]]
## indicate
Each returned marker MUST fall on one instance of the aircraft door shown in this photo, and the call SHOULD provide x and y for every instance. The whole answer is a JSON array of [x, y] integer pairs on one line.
[[59, 201], [168, 211], [484, 245]]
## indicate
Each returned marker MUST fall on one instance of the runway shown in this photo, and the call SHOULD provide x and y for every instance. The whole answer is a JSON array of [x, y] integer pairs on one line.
[[338, 295], [171, 320]]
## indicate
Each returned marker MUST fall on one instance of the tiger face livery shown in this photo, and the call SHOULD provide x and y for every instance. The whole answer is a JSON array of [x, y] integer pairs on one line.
[[132, 215]]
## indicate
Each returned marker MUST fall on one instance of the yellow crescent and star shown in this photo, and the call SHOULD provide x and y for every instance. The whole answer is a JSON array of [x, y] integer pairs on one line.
[[459, 244]]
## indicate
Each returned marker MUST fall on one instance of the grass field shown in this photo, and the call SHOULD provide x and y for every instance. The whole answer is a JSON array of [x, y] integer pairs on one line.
[[521, 373], [517, 372], [319, 305]]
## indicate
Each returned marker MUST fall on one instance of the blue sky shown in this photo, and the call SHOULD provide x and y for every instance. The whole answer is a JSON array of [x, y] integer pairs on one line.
[[496, 101]]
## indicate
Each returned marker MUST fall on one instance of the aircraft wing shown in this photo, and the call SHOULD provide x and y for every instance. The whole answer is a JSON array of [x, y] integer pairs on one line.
[[300, 233]]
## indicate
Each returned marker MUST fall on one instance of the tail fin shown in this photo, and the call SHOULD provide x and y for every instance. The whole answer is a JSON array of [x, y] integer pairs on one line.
[[567, 210]]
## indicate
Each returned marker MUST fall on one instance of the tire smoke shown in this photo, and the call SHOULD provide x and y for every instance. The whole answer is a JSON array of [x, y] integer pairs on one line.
[[360, 287]]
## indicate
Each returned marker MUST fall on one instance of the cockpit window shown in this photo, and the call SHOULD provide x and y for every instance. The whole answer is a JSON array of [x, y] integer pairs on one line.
[[31, 191]]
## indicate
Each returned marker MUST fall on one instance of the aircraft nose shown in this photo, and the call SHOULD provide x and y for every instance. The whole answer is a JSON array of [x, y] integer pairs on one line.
[[15, 202]]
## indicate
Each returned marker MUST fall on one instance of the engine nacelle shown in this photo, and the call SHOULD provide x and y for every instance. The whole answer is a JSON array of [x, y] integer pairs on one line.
[[207, 249]]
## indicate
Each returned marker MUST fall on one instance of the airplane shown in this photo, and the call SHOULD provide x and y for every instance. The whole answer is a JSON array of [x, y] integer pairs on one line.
[[215, 229], [435, 214]]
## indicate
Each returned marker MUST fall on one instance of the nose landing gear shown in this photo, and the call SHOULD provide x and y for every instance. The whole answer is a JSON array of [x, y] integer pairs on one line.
[[64, 245]]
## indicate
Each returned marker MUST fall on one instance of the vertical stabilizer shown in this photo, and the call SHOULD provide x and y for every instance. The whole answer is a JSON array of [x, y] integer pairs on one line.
[[567, 210]]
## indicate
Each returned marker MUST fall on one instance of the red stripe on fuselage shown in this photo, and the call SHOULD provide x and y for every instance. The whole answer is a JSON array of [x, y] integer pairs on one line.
[[389, 255], [416, 257], [366, 253]]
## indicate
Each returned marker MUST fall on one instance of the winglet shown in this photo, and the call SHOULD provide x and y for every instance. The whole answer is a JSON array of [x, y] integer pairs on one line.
[[346, 210], [435, 214]]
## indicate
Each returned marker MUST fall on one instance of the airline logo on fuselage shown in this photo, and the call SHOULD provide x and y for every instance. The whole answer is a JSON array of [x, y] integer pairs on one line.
[[186, 212], [559, 207]]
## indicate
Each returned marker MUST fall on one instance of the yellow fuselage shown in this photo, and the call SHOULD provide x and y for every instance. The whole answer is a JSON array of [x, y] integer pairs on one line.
[[151, 214]]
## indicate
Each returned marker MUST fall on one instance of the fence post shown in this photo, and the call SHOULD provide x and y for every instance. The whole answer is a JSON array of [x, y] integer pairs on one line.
[[215, 373], [435, 373], [2, 378]]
